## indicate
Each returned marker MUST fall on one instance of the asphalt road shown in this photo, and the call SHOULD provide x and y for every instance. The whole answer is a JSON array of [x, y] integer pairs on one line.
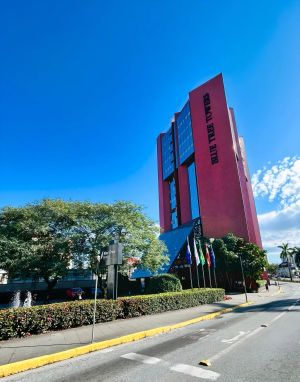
[[257, 343]]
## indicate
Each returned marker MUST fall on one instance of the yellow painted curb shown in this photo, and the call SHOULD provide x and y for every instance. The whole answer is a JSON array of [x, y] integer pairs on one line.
[[33, 363]]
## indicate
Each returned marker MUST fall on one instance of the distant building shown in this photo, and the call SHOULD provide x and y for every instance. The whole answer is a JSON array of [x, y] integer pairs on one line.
[[203, 175]]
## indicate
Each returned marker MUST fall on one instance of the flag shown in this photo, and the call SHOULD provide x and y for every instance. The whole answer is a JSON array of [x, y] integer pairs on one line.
[[188, 252], [207, 256], [202, 259], [196, 254], [212, 257]]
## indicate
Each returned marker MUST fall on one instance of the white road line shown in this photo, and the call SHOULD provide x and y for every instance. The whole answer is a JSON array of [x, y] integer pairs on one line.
[[195, 371], [141, 358], [233, 339], [230, 347]]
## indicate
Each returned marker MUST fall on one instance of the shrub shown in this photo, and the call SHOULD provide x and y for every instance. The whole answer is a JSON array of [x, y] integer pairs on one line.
[[22, 322], [157, 303], [39, 319], [163, 283]]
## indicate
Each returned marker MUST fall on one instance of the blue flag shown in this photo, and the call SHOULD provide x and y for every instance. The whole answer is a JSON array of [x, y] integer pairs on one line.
[[188, 253], [212, 257]]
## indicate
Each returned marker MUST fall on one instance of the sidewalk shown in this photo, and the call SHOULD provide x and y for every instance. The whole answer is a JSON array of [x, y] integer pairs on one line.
[[29, 347]]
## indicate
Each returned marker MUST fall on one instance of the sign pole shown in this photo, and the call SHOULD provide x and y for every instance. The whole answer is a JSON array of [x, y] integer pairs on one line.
[[116, 275], [95, 298]]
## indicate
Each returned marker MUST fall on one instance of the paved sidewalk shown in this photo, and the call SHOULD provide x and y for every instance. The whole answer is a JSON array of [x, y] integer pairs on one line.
[[29, 347]]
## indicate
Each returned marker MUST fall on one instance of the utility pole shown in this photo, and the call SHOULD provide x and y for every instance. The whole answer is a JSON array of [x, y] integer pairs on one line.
[[243, 278]]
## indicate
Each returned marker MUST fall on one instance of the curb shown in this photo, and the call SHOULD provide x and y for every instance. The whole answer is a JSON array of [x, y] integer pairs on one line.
[[33, 363]]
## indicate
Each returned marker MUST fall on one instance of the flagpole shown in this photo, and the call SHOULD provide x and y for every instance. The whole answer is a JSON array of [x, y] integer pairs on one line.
[[197, 276], [209, 276], [204, 283], [215, 278], [191, 276], [189, 259]]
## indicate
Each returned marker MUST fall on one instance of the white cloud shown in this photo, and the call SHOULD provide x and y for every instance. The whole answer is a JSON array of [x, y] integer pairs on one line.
[[281, 181], [280, 184]]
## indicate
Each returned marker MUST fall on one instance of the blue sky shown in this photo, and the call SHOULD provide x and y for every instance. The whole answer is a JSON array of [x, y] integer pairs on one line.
[[87, 86]]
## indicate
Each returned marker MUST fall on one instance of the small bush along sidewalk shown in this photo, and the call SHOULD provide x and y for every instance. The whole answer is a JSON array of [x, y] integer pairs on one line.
[[23, 322]]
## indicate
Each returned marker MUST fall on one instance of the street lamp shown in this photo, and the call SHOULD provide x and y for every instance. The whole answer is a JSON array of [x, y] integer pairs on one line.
[[211, 240], [239, 255], [95, 297]]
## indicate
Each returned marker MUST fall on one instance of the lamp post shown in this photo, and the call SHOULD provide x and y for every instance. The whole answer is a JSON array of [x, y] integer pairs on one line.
[[211, 243], [95, 297], [243, 277]]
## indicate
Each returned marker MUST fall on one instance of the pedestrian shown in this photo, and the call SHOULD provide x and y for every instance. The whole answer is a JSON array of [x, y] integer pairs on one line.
[[267, 287]]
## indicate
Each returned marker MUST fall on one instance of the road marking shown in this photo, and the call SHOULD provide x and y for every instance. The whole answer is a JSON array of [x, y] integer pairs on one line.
[[141, 358], [230, 347], [233, 339], [255, 331], [195, 371]]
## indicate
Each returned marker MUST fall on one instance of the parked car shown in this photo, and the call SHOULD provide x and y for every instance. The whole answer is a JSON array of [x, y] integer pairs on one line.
[[74, 293]]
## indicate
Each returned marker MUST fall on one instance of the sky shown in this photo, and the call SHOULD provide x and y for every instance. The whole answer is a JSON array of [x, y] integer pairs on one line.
[[86, 87]]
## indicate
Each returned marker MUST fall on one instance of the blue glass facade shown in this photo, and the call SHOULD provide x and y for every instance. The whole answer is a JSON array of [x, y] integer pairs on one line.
[[167, 154], [185, 135], [193, 191], [173, 203]]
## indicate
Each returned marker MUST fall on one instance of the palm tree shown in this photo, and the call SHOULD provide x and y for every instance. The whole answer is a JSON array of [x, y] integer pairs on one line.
[[285, 251], [284, 255], [296, 252]]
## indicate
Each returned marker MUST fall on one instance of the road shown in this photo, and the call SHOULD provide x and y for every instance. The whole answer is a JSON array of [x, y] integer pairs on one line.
[[257, 343]]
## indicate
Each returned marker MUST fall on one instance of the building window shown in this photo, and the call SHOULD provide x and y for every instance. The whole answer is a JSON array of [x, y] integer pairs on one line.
[[167, 154], [185, 135], [193, 191], [173, 204]]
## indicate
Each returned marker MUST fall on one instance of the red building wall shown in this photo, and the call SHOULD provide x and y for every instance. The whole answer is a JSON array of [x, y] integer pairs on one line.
[[220, 196]]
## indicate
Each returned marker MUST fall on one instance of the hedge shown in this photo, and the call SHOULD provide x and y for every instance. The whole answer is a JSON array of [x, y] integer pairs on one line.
[[23, 322], [163, 283]]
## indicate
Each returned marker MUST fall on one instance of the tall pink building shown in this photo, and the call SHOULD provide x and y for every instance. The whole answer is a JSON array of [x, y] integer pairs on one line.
[[202, 169]]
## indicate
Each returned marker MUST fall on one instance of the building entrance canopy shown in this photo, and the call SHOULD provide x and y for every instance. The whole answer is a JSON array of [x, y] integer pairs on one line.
[[174, 240]]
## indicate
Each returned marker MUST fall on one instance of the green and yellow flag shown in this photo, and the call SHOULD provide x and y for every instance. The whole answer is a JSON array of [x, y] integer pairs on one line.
[[201, 256]]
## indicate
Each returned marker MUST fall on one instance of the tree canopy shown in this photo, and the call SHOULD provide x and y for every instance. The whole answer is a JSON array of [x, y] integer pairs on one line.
[[227, 252], [44, 239]]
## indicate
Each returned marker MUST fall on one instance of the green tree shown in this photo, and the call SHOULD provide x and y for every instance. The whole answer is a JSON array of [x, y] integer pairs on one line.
[[227, 252], [285, 254], [34, 241], [254, 260], [44, 239], [285, 251], [272, 268]]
